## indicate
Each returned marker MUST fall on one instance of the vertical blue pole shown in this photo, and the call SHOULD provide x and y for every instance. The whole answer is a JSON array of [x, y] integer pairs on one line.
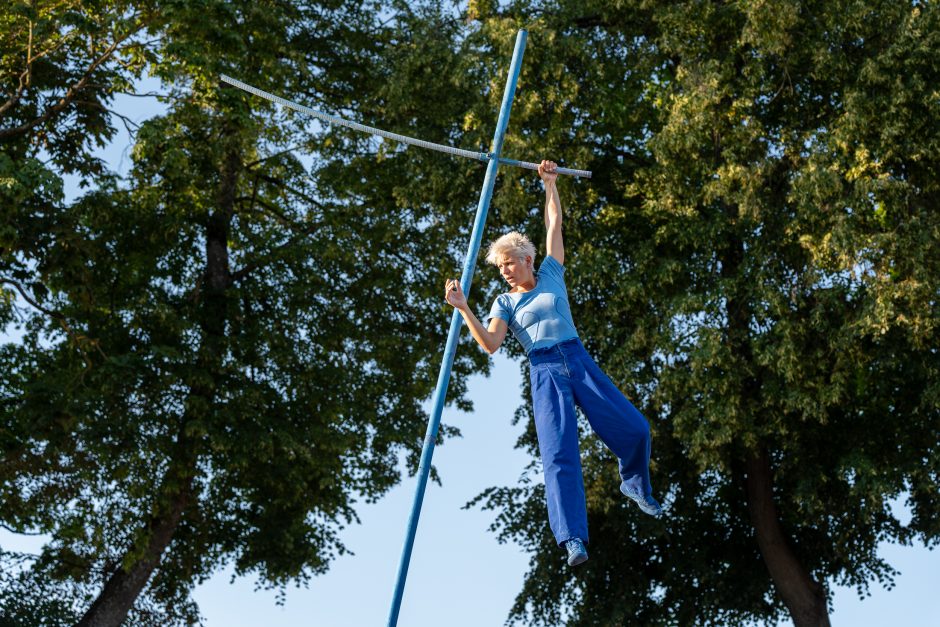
[[424, 468]]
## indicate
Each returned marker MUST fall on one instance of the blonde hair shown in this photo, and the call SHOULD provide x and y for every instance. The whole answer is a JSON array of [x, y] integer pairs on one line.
[[514, 244]]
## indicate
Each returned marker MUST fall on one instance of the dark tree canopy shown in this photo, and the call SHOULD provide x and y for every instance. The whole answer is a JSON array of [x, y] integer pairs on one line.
[[226, 350], [756, 265]]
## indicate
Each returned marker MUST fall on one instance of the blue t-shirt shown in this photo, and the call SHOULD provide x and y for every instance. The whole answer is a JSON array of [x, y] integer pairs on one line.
[[540, 317]]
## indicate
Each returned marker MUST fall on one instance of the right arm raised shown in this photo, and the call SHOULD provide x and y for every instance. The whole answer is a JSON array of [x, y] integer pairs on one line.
[[490, 339], [553, 239]]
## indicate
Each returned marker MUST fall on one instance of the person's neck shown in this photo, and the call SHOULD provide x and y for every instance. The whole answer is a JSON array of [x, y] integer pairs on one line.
[[526, 286]]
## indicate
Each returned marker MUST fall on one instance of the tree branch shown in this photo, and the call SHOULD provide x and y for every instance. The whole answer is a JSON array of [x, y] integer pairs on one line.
[[79, 340], [274, 253], [73, 90], [19, 288], [279, 183], [269, 210], [19, 532], [25, 76], [261, 160], [128, 123]]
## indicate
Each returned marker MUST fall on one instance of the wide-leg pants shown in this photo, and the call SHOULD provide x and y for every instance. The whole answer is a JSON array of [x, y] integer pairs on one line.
[[563, 376]]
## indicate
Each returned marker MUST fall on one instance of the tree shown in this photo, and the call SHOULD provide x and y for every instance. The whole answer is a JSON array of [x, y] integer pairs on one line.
[[230, 347], [60, 66], [755, 263]]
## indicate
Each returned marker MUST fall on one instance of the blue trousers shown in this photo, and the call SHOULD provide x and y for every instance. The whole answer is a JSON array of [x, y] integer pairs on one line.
[[563, 376]]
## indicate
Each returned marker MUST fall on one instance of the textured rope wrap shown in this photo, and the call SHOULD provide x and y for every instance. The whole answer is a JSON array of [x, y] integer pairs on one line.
[[332, 119], [528, 165], [479, 156]]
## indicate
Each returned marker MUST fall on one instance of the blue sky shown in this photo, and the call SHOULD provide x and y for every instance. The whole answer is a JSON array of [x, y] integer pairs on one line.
[[459, 575]]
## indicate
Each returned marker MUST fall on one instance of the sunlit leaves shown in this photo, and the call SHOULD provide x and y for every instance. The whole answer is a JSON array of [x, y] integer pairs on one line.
[[759, 274]]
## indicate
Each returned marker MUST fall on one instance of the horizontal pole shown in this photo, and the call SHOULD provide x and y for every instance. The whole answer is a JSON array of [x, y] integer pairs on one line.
[[528, 165], [332, 119]]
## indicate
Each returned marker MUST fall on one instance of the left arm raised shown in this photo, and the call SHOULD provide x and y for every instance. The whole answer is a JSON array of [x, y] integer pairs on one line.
[[553, 239]]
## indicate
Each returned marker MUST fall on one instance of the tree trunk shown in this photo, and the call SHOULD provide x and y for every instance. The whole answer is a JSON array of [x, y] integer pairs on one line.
[[804, 597], [125, 585]]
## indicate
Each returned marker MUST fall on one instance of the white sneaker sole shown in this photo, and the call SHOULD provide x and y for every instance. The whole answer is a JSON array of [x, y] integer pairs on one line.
[[641, 503]]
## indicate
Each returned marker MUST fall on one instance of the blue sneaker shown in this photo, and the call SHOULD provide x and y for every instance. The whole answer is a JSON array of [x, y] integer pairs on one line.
[[632, 488], [577, 554]]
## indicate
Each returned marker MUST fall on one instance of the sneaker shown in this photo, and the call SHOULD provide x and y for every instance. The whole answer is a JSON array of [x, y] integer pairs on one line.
[[633, 489], [577, 554]]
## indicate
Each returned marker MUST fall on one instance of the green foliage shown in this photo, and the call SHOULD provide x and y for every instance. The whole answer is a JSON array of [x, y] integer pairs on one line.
[[241, 330], [61, 64], [755, 263], [233, 335]]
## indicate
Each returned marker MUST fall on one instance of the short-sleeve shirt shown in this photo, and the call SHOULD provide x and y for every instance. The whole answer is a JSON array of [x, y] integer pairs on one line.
[[540, 317]]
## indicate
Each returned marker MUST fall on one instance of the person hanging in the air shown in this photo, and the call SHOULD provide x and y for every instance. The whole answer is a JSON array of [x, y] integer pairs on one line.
[[562, 375]]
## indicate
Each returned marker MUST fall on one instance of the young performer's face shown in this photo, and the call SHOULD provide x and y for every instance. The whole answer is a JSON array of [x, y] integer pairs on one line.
[[515, 270]]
